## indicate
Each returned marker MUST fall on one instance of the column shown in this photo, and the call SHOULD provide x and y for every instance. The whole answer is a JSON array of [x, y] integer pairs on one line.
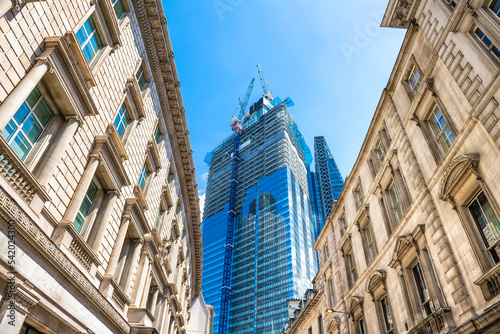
[[142, 276], [117, 248], [154, 300], [59, 148], [106, 217], [60, 235], [81, 190], [145, 288], [5, 6], [135, 257], [17, 97]]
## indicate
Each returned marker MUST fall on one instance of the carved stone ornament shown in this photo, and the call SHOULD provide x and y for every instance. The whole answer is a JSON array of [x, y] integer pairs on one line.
[[334, 326], [455, 171]]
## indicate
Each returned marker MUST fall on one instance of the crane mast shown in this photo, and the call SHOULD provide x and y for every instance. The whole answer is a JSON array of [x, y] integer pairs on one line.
[[237, 127]]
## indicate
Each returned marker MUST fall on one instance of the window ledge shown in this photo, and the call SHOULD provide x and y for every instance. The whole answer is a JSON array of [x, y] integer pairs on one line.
[[155, 153], [133, 88], [18, 176], [140, 196], [117, 142], [80, 58], [82, 251], [119, 297], [111, 21]]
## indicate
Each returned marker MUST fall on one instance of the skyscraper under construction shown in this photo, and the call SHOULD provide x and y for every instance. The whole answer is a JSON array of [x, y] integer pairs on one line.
[[258, 177]]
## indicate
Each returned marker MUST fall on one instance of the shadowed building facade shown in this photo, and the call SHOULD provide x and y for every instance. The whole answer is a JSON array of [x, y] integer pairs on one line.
[[98, 195], [412, 244]]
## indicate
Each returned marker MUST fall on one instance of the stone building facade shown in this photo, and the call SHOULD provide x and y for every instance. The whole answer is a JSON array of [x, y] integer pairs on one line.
[[100, 228], [412, 245]]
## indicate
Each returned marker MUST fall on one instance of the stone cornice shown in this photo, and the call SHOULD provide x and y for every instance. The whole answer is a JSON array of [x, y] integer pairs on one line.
[[153, 25], [53, 256]]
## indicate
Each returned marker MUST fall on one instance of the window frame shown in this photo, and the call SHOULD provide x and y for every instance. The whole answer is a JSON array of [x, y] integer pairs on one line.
[[409, 250], [101, 36], [458, 187], [349, 262], [433, 126], [145, 176], [407, 78], [47, 128], [480, 231], [145, 74], [358, 194], [88, 216]]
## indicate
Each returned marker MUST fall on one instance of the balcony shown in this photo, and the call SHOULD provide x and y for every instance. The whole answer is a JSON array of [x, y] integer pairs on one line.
[[490, 283], [435, 323], [18, 176]]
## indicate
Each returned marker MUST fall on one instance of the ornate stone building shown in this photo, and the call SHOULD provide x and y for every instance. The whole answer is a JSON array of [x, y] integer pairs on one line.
[[413, 243], [100, 228]]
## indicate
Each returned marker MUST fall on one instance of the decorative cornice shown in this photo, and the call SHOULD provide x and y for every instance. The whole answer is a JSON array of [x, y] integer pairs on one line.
[[40, 243], [153, 27]]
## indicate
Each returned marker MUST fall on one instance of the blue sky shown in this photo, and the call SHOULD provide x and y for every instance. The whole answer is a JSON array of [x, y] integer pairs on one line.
[[330, 56]]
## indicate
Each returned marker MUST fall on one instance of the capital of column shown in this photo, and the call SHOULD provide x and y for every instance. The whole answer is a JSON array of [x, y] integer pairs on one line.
[[74, 118], [44, 60], [17, 4]]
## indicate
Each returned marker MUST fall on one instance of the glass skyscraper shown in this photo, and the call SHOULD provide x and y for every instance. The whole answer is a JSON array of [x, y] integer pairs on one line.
[[273, 258], [325, 184]]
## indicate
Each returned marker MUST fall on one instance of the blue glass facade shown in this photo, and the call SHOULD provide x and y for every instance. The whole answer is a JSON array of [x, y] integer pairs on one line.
[[273, 257], [315, 197], [325, 184]]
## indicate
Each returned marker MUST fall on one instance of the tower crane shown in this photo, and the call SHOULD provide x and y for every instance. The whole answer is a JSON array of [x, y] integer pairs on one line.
[[263, 82], [237, 127]]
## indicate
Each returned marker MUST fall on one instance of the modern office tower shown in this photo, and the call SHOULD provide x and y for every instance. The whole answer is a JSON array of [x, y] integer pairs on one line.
[[273, 259], [325, 184]]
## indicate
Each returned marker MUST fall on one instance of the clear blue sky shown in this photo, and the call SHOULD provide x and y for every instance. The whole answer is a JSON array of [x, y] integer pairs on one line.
[[330, 56]]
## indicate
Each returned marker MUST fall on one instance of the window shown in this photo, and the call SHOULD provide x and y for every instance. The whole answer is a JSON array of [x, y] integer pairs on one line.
[[119, 8], [160, 216], [141, 79], [143, 177], [343, 225], [332, 293], [358, 196], [380, 151], [351, 269], [28, 123], [126, 261], [310, 330], [423, 293], [320, 324], [396, 203], [89, 39], [85, 207], [327, 253], [441, 129], [495, 7], [360, 326], [487, 223], [451, 3], [157, 134], [386, 313], [122, 120], [487, 42], [415, 79], [371, 250]]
